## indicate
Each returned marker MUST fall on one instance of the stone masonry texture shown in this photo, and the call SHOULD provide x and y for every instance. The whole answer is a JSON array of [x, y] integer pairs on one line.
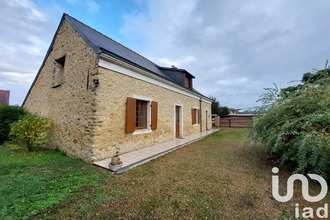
[[111, 113], [69, 105], [89, 121]]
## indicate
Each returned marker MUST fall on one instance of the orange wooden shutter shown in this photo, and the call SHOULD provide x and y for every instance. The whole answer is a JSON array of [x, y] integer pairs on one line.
[[130, 114], [199, 116], [154, 110], [193, 114]]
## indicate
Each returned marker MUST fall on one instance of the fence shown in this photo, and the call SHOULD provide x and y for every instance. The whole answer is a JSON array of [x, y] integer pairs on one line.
[[236, 121]]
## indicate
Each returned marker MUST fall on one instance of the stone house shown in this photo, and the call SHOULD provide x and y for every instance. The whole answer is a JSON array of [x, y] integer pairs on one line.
[[102, 96]]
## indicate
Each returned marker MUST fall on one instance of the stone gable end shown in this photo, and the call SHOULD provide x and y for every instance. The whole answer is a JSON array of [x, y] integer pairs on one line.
[[69, 104]]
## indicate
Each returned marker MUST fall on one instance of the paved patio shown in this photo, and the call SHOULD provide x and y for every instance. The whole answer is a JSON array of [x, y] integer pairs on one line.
[[135, 158]]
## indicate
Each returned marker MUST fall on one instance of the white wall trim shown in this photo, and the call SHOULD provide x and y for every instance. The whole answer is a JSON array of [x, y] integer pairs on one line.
[[142, 131], [116, 65], [207, 119], [148, 130]]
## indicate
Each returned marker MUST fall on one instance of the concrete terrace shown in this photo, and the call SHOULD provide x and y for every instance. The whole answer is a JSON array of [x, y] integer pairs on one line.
[[137, 157]]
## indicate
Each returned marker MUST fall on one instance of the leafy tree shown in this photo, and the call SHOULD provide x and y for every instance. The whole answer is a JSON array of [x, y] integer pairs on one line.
[[294, 124], [217, 108], [31, 131], [223, 111], [9, 115]]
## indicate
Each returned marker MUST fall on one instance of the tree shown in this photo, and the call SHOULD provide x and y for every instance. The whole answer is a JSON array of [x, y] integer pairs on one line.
[[223, 111], [215, 105], [9, 115], [294, 124], [217, 108]]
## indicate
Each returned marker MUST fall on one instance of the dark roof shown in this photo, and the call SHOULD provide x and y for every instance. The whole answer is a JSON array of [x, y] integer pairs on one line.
[[101, 43], [175, 70]]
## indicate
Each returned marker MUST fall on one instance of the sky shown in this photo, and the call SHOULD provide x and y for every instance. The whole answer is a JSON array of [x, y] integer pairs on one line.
[[233, 48]]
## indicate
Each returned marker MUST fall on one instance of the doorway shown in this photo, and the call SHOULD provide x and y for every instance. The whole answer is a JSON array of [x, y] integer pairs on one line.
[[207, 128], [177, 121]]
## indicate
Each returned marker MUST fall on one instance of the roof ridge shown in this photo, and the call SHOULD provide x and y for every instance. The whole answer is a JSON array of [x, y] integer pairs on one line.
[[111, 39]]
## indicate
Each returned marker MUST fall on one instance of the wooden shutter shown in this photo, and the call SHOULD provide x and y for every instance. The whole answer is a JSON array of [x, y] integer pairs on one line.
[[193, 115], [154, 111], [130, 115], [199, 116]]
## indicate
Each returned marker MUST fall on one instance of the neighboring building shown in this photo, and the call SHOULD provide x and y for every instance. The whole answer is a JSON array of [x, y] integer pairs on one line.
[[233, 111], [4, 97], [102, 95]]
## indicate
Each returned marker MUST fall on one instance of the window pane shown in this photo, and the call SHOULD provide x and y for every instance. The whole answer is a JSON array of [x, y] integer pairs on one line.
[[141, 114]]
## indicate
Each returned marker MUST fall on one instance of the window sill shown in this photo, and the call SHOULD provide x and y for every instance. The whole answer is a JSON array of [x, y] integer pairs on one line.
[[142, 131]]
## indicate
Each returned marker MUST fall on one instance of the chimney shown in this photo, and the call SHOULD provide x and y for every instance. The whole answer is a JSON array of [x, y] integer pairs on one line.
[[173, 67]]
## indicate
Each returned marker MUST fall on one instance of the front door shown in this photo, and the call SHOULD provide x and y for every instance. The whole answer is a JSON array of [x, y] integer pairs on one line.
[[177, 121]]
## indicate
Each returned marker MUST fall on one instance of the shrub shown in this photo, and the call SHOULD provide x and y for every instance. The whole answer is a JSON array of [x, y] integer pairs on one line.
[[9, 115], [296, 126], [31, 131]]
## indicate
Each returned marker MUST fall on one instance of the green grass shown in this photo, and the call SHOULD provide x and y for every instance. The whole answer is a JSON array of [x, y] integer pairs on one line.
[[32, 182], [218, 177]]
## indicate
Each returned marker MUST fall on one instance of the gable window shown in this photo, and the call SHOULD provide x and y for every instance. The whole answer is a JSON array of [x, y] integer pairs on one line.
[[141, 115], [58, 72], [195, 116]]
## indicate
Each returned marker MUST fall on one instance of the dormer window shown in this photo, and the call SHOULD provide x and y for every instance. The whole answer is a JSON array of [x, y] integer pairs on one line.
[[187, 81]]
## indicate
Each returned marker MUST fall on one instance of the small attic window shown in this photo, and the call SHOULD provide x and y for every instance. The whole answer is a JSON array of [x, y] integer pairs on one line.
[[58, 72], [187, 81]]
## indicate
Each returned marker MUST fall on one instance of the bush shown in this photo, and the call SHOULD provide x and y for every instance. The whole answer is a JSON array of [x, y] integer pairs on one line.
[[296, 126], [31, 131], [9, 115]]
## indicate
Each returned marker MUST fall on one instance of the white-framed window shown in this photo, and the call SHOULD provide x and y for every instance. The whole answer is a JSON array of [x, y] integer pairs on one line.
[[195, 116], [141, 115]]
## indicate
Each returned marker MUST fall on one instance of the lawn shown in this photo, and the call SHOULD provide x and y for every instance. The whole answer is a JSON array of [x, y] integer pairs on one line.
[[31, 183], [218, 177]]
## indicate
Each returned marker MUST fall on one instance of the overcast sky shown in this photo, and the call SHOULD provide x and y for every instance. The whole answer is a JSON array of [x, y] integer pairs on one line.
[[233, 48]]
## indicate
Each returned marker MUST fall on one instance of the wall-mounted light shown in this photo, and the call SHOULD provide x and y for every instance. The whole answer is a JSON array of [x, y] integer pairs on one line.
[[96, 82]]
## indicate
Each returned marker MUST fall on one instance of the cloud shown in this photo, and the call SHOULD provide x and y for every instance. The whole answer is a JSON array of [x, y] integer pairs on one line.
[[17, 78], [92, 5], [170, 62], [25, 34], [234, 81], [238, 48]]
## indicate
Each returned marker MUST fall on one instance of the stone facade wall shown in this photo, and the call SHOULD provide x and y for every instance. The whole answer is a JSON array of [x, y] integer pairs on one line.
[[111, 114], [90, 121], [69, 105]]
